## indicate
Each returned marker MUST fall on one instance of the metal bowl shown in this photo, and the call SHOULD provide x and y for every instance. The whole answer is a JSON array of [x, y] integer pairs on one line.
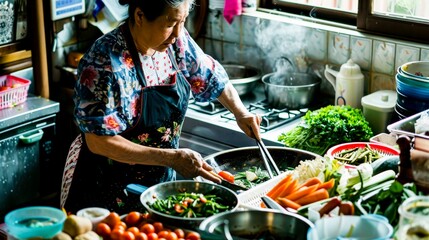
[[253, 224], [163, 190], [243, 78], [293, 91]]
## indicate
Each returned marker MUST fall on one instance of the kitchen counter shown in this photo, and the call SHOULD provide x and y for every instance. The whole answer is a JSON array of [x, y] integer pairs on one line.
[[33, 108]]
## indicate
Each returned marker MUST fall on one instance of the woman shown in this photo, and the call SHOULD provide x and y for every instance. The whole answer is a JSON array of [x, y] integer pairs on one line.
[[130, 103]]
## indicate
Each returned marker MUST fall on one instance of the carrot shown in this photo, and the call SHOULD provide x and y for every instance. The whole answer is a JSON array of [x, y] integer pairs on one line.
[[286, 203], [279, 185], [315, 196], [301, 192], [328, 184], [311, 181], [293, 186]]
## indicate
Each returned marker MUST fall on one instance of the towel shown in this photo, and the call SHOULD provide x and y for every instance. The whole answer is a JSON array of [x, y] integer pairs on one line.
[[231, 9]]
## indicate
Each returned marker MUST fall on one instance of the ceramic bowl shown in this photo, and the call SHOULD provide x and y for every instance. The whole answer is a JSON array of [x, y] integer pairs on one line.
[[409, 88], [417, 69]]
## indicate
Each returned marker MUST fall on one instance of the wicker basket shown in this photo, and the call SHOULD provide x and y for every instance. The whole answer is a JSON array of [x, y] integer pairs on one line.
[[13, 90], [251, 199]]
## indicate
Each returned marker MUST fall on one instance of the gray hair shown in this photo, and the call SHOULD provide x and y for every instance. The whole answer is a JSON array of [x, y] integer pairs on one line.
[[152, 9]]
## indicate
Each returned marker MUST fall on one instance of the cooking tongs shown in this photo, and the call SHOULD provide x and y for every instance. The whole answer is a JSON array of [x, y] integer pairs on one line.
[[268, 160]]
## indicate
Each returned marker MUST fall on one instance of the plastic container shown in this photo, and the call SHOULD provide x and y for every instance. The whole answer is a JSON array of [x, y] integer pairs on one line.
[[414, 218], [351, 227], [378, 109], [35, 222], [94, 214], [13, 90]]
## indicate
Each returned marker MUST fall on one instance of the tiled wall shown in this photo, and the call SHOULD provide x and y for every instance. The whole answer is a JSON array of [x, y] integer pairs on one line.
[[258, 39]]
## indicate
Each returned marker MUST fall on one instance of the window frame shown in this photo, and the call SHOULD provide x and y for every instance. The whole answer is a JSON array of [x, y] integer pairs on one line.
[[364, 21]]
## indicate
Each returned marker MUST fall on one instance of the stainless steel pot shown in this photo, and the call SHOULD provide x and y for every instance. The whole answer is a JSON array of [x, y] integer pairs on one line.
[[243, 78], [254, 224], [290, 90], [163, 190]]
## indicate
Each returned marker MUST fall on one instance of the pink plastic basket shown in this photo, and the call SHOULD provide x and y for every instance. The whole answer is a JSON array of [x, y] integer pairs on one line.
[[13, 90]]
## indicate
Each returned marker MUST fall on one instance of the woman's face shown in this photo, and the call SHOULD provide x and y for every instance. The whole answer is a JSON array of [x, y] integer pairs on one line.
[[163, 31]]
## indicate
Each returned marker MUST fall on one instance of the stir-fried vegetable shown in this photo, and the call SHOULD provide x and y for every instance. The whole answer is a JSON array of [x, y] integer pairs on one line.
[[190, 205], [251, 177]]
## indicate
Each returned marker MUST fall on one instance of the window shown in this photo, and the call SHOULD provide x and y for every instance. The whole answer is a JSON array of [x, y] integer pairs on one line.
[[405, 19]]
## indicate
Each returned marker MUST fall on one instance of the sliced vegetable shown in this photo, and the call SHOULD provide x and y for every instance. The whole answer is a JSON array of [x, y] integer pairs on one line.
[[301, 192], [347, 208], [329, 206], [286, 203], [279, 185], [292, 187], [251, 176], [315, 196], [227, 176], [327, 185], [374, 180], [311, 181]]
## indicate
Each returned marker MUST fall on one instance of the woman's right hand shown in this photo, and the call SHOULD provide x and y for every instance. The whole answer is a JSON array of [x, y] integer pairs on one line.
[[190, 164]]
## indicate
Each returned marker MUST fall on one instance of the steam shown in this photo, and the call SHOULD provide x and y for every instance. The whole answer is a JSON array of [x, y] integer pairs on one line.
[[284, 47]]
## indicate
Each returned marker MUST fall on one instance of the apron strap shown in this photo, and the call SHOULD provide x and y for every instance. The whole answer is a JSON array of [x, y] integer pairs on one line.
[[134, 53], [70, 166]]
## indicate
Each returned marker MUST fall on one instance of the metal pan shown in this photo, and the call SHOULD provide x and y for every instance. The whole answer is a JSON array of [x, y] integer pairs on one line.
[[241, 159]]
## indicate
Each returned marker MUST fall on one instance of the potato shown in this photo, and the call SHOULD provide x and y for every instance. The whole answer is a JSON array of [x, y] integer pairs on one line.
[[62, 236], [91, 235], [74, 225]]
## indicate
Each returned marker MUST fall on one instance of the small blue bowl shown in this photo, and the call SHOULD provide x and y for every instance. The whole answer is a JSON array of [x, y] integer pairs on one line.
[[418, 70], [35, 222]]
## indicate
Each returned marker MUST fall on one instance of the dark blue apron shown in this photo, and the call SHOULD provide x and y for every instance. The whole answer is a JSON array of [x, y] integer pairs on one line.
[[98, 181]]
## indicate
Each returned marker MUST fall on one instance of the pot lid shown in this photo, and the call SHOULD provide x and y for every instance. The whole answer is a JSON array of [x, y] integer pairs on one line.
[[384, 100]]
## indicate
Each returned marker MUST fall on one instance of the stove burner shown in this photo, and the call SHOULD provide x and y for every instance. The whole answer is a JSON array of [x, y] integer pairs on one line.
[[206, 107], [271, 117]]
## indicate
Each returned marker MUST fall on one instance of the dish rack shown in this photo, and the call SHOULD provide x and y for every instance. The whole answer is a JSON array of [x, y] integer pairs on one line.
[[251, 199], [13, 91]]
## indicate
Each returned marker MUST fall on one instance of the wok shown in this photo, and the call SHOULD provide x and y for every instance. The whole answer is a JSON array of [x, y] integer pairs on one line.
[[241, 159]]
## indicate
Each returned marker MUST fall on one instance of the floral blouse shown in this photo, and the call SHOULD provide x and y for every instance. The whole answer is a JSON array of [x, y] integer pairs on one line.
[[108, 91]]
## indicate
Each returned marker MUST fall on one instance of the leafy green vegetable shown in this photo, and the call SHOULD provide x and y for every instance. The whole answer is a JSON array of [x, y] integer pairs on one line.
[[241, 179], [387, 201], [328, 126]]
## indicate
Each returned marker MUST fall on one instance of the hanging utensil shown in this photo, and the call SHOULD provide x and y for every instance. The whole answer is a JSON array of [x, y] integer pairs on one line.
[[268, 160]]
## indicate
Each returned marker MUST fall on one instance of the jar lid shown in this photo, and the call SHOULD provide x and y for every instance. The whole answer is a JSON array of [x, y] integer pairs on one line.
[[384, 100]]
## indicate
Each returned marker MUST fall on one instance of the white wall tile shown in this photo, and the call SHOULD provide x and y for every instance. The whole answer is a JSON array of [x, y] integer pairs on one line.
[[406, 54], [383, 58], [317, 45], [424, 56], [338, 48], [361, 49]]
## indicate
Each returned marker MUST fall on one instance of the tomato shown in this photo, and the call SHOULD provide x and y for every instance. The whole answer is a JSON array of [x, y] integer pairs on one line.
[[179, 232], [132, 218], [134, 230], [112, 219], [147, 228], [141, 236], [103, 229], [127, 236], [158, 226], [116, 233], [227, 176], [152, 236], [121, 225], [193, 236], [171, 236]]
